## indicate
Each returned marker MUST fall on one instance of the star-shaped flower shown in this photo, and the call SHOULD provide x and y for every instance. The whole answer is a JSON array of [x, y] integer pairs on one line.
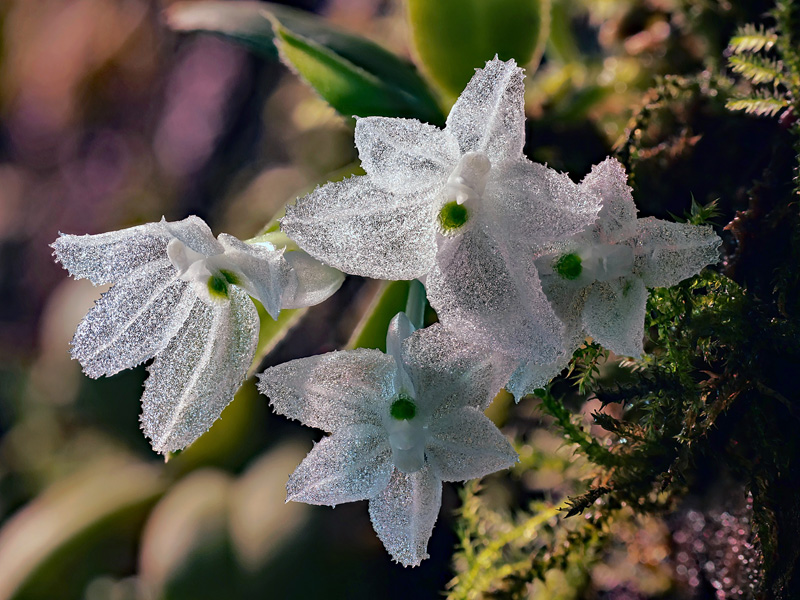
[[182, 296], [460, 207], [401, 423], [597, 280]]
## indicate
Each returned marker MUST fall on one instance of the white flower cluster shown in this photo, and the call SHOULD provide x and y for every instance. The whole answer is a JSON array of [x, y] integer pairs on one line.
[[519, 262]]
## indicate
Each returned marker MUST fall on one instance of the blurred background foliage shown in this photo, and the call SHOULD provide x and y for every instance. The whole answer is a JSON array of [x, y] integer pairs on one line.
[[681, 469]]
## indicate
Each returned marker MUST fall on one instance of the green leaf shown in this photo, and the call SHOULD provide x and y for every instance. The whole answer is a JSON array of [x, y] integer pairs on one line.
[[352, 74], [368, 81], [455, 37], [389, 299]]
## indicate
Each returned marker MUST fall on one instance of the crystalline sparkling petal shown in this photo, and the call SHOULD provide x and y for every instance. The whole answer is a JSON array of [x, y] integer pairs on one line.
[[400, 329], [404, 155], [404, 513], [529, 204], [332, 390], [108, 257], [531, 376], [465, 444], [609, 183], [133, 321], [352, 464], [310, 282], [197, 375], [449, 373], [264, 271], [670, 252], [614, 315], [195, 233], [361, 229], [492, 302], [489, 115], [567, 301]]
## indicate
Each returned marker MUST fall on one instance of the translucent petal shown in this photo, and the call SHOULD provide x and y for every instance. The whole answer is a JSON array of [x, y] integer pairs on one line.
[[352, 464], [489, 115], [614, 315], [609, 182], [493, 300], [196, 376], [331, 390], [404, 513], [528, 204], [448, 372], [265, 271], [311, 282], [400, 329], [404, 155], [531, 376], [466, 445], [670, 252], [133, 321], [108, 257], [360, 229], [193, 232]]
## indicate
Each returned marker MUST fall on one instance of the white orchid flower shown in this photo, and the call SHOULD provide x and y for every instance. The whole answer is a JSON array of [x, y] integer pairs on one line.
[[597, 281], [181, 296], [461, 208], [401, 423]]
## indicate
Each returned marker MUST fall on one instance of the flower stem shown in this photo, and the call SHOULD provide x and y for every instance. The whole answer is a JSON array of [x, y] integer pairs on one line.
[[416, 303]]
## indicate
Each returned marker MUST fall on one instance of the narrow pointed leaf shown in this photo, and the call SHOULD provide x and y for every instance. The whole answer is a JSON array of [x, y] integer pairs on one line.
[[371, 82], [354, 75]]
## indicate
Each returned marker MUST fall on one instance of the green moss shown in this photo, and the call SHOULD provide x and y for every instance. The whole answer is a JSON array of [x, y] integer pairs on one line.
[[403, 409], [569, 266], [453, 216]]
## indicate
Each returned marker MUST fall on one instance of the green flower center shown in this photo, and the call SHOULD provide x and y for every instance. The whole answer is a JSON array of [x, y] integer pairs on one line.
[[218, 283], [403, 409], [453, 216], [568, 266]]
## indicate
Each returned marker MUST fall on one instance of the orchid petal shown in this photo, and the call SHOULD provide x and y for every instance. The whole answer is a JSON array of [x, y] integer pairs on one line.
[[197, 375], [194, 233], [311, 282], [361, 229], [332, 390], [528, 201], [450, 373], [265, 272], [400, 329], [670, 252], [493, 300], [532, 376], [403, 155], [352, 464], [489, 115], [108, 257], [404, 513], [133, 321], [614, 315], [609, 183], [465, 444]]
